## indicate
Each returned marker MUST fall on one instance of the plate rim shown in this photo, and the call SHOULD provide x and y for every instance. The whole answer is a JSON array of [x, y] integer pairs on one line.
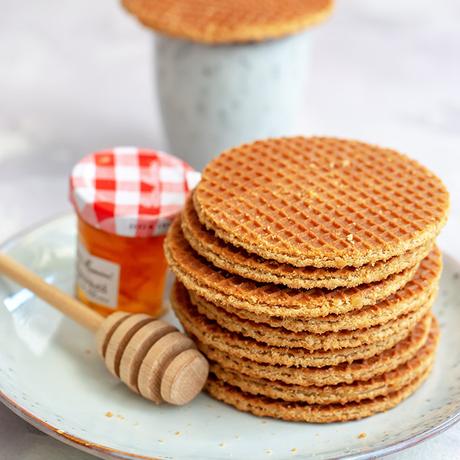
[[106, 452]]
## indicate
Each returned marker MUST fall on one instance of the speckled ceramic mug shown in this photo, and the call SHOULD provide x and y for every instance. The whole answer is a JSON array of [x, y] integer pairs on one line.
[[215, 97]]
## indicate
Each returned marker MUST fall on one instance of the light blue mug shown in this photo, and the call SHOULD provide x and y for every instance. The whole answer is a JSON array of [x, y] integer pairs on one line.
[[215, 97]]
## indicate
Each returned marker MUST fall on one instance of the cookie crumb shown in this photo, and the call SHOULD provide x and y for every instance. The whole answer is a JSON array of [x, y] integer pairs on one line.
[[177, 433], [362, 435], [221, 444], [109, 414], [294, 450]]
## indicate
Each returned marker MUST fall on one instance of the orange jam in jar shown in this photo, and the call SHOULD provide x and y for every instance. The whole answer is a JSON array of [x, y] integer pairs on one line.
[[125, 199], [141, 279]]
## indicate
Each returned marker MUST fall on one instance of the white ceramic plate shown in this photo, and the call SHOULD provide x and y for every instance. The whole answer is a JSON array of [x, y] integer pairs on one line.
[[51, 376]]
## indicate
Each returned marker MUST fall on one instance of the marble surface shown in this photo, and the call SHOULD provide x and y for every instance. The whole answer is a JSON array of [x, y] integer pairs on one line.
[[77, 76]]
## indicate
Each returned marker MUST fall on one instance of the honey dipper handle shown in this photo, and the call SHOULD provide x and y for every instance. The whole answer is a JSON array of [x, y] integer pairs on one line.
[[50, 294]]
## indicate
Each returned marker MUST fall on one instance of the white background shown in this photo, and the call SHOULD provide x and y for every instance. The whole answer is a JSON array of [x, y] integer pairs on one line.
[[76, 76]]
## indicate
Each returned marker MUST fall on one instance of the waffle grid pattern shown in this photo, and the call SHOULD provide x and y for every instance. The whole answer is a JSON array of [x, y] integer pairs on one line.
[[300, 411], [354, 223], [363, 318], [238, 261], [320, 201], [341, 393], [311, 340], [212, 283], [229, 21], [421, 289], [360, 370], [211, 334]]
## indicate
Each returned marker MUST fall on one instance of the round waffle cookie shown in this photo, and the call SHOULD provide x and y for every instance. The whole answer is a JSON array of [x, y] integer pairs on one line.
[[361, 370], [332, 394], [321, 202], [228, 21], [222, 288], [239, 262], [281, 337], [211, 334], [311, 413], [419, 291]]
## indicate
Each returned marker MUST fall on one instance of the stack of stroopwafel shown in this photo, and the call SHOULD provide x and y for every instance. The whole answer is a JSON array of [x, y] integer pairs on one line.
[[306, 269]]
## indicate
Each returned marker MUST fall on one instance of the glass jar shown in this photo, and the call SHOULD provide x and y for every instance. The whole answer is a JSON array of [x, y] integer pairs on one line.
[[125, 199], [139, 284]]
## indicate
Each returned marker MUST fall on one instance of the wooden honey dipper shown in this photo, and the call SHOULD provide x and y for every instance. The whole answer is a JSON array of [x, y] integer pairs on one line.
[[150, 356]]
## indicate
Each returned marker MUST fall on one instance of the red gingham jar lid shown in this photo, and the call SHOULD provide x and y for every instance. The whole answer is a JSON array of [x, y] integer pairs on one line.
[[130, 191]]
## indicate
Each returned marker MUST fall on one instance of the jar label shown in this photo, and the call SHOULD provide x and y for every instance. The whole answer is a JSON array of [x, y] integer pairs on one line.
[[98, 278]]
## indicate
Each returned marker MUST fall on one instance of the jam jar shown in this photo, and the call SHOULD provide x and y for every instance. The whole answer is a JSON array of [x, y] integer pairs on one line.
[[125, 199]]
